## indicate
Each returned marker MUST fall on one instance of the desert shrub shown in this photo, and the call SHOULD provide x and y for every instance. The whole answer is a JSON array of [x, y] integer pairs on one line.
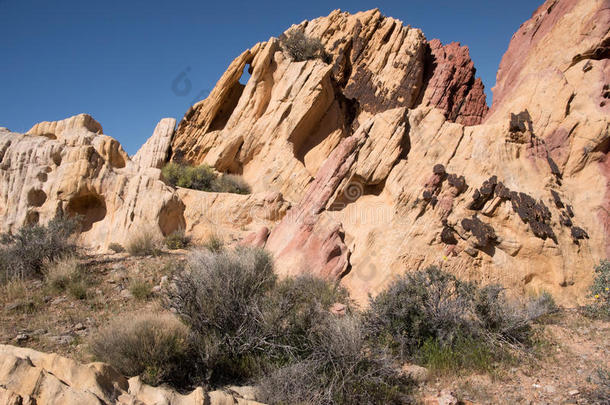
[[435, 308], [600, 291], [195, 177], [203, 178], [294, 308], [214, 243], [143, 242], [243, 321], [220, 296], [116, 247], [151, 345], [419, 306], [140, 289], [177, 240], [230, 183], [341, 369], [301, 48], [599, 393], [25, 253]]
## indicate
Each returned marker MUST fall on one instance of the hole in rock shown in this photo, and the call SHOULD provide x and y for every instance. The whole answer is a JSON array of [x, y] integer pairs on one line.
[[245, 76], [36, 198], [171, 217], [90, 207], [32, 218]]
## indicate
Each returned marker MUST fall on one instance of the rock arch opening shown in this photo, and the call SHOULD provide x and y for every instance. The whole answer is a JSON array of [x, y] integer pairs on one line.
[[89, 207]]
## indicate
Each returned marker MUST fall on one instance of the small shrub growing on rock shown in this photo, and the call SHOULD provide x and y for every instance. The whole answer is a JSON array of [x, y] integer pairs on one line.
[[152, 345], [230, 183], [203, 178], [116, 247], [25, 253], [600, 292], [301, 48], [143, 242], [177, 240]]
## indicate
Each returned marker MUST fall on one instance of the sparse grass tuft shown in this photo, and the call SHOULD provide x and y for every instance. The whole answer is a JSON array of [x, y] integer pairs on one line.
[[151, 345], [116, 247], [143, 242], [140, 289], [177, 240], [214, 243]]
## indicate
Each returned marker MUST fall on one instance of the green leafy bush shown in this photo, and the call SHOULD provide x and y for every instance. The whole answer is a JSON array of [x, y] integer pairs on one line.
[[154, 346], [600, 291], [177, 240], [203, 178], [301, 48], [25, 253]]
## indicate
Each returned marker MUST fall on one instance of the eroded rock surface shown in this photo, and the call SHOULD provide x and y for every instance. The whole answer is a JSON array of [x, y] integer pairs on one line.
[[357, 146], [65, 168], [31, 377]]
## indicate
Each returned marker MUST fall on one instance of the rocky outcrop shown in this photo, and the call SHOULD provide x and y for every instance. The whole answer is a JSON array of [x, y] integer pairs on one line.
[[389, 169], [451, 84], [31, 377], [278, 129], [378, 160], [65, 168], [155, 152]]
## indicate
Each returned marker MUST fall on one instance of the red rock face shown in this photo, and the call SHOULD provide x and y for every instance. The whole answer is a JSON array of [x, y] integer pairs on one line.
[[452, 85], [522, 42]]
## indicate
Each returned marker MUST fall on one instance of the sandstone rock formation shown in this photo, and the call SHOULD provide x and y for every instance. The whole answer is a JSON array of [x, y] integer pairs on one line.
[[155, 152], [382, 161], [31, 377], [66, 167], [278, 129], [392, 162]]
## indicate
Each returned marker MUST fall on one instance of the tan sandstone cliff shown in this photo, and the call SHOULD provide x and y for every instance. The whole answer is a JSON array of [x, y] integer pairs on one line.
[[382, 161], [392, 162]]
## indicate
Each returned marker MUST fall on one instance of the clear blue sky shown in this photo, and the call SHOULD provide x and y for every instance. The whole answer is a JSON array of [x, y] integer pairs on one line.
[[117, 60]]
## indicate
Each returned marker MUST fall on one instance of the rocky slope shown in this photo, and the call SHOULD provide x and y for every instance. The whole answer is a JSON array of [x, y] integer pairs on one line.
[[393, 163], [383, 160]]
